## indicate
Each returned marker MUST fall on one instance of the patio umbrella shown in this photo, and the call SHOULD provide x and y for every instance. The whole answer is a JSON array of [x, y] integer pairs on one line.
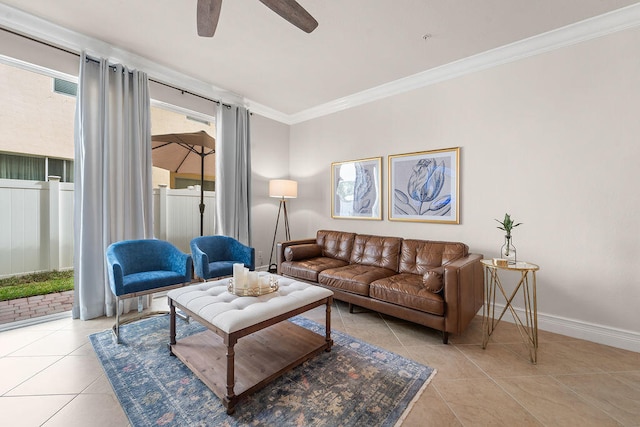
[[185, 153]]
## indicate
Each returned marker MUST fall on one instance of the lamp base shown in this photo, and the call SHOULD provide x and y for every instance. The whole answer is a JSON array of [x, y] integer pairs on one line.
[[273, 267]]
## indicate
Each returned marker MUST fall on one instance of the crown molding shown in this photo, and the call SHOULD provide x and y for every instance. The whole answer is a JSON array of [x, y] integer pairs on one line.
[[599, 26], [268, 112], [602, 25]]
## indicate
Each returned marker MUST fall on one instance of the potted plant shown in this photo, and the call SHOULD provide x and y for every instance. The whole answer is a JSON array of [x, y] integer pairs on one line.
[[508, 251]]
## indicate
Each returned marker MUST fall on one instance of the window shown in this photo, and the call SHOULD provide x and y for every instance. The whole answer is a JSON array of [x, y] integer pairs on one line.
[[188, 180], [60, 167], [65, 87], [34, 168], [22, 167]]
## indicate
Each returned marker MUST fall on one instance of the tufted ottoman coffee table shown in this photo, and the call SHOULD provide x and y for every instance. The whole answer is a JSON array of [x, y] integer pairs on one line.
[[233, 368]]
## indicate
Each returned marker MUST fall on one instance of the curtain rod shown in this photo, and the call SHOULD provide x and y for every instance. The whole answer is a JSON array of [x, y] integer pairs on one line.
[[183, 91], [42, 42]]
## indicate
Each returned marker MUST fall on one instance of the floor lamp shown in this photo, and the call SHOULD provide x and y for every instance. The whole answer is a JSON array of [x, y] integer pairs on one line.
[[282, 189]]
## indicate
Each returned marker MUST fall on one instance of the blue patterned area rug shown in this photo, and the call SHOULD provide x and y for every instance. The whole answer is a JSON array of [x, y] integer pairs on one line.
[[356, 384]]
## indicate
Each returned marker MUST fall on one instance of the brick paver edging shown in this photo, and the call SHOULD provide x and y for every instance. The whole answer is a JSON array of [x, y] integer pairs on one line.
[[36, 306]]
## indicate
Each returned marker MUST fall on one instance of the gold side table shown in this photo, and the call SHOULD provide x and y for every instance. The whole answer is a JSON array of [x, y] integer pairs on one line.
[[529, 328]]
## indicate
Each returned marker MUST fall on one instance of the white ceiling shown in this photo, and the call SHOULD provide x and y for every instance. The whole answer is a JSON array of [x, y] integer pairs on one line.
[[358, 45]]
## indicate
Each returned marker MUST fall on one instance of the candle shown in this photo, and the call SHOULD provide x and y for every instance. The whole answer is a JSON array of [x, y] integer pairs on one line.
[[253, 279], [263, 280], [245, 279], [238, 276]]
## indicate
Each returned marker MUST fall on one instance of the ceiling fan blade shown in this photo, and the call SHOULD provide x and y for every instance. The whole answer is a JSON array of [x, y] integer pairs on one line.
[[208, 15], [294, 13]]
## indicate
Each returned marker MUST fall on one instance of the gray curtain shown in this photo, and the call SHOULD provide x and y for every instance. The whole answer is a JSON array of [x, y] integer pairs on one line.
[[113, 188], [233, 173]]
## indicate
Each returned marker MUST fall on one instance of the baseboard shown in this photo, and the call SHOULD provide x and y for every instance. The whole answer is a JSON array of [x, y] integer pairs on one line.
[[619, 338], [35, 321]]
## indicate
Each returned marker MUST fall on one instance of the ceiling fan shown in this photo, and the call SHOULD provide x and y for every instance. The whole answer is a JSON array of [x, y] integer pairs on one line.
[[209, 13]]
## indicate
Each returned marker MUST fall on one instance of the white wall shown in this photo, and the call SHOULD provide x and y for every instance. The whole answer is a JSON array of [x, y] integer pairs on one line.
[[552, 139], [269, 160]]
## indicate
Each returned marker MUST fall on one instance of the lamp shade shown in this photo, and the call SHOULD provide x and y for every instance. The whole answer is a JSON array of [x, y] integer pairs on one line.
[[285, 188]]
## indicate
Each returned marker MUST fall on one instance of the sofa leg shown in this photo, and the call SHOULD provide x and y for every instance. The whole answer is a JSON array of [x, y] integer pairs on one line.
[[352, 308], [445, 337]]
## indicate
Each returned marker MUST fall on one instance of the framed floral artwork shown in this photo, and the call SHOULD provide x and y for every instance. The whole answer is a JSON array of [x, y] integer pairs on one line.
[[356, 187], [425, 186]]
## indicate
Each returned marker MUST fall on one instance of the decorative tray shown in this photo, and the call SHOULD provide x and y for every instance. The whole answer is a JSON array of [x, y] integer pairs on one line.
[[254, 291]]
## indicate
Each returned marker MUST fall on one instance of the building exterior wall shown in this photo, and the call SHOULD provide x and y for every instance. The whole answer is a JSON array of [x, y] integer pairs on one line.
[[34, 119]]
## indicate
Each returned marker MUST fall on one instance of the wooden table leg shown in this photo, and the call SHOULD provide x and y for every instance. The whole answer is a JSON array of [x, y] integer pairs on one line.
[[221, 380], [230, 398], [327, 328]]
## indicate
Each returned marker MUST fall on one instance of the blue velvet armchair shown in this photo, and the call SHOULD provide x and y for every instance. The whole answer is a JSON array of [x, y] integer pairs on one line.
[[214, 256], [141, 267]]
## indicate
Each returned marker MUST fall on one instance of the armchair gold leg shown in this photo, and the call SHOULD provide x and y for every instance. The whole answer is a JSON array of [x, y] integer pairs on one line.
[[116, 327], [183, 316]]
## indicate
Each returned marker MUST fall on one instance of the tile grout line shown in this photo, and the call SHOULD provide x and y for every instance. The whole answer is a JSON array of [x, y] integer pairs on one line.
[[75, 396], [490, 377], [31, 376], [581, 397]]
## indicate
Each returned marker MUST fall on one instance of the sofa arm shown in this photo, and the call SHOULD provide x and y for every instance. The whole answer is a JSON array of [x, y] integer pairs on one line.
[[306, 251], [281, 246], [463, 291]]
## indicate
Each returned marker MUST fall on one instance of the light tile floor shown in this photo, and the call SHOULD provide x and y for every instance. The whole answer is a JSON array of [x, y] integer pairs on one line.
[[50, 376]]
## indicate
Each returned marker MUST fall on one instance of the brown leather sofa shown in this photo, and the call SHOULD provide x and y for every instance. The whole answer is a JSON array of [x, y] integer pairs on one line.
[[435, 284]]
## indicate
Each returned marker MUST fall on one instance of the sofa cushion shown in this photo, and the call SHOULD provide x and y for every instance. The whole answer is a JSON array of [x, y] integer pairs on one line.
[[433, 280], [297, 252], [354, 278], [419, 256], [308, 269], [376, 251], [407, 290], [335, 244]]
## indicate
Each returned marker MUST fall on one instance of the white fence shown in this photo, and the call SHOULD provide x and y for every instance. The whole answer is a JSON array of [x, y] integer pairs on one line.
[[36, 223], [176, 215]]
